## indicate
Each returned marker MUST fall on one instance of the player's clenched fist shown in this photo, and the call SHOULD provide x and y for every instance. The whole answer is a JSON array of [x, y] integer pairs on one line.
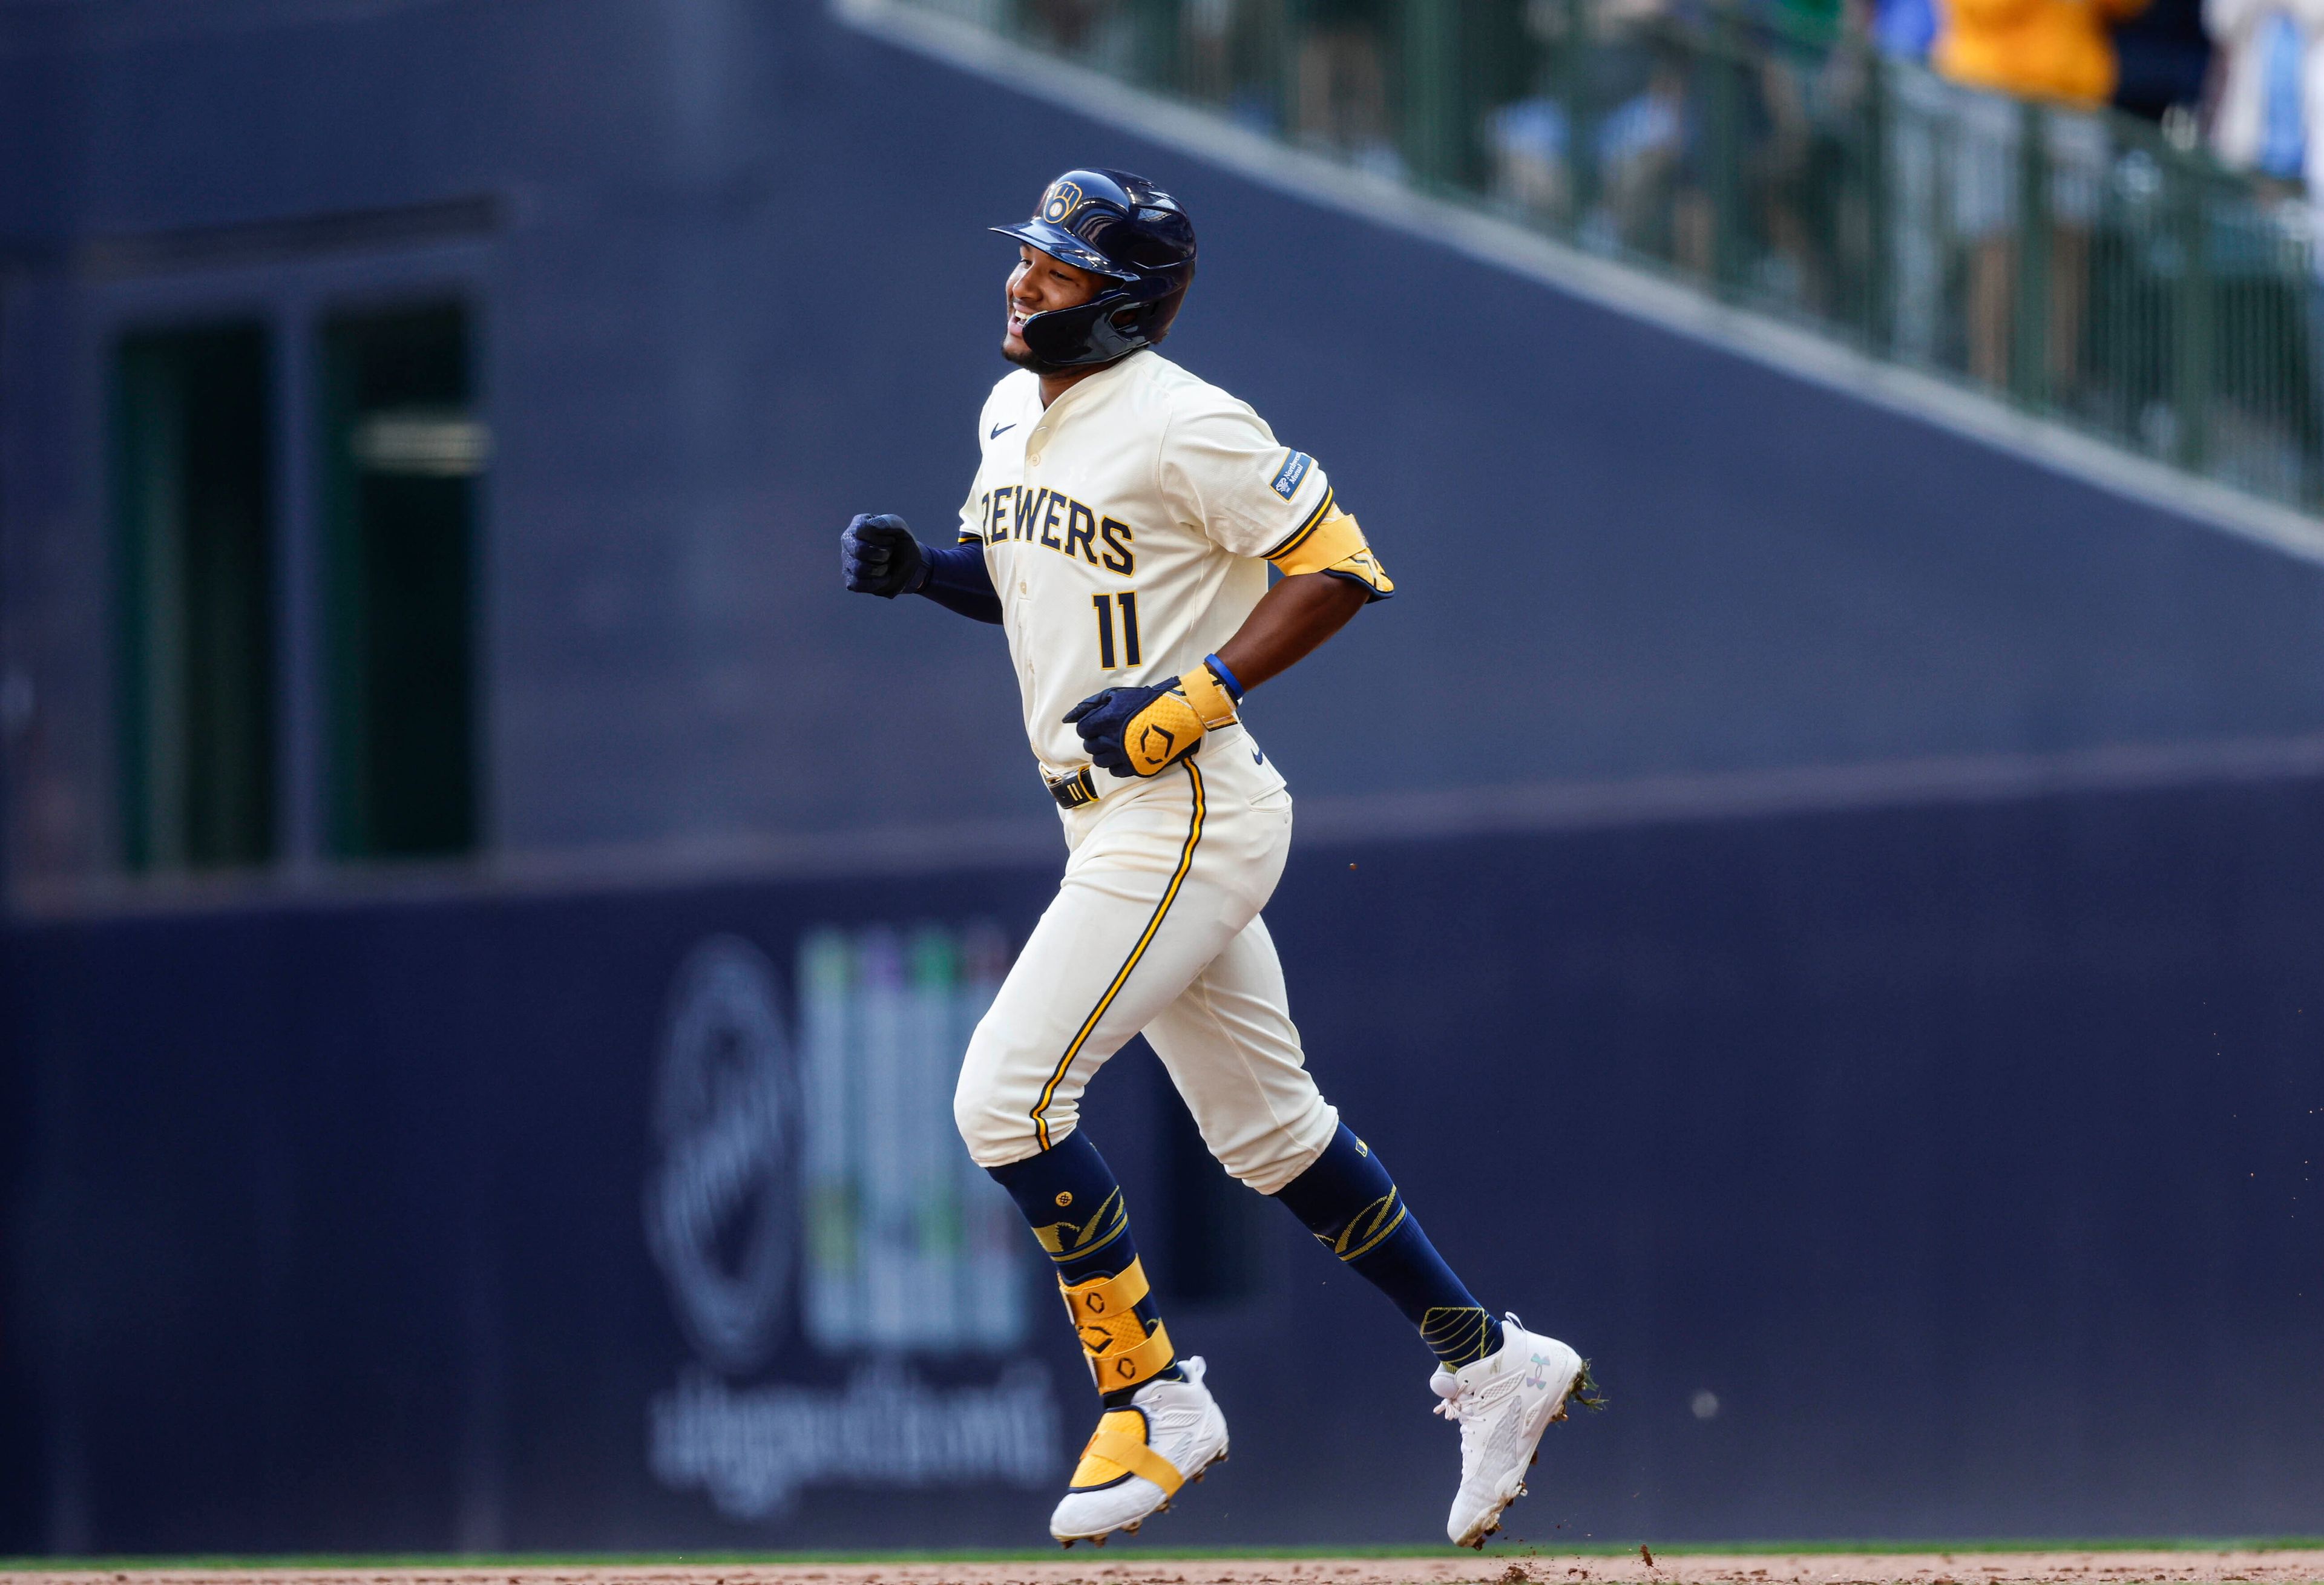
[[878, 555], [1144, 731]]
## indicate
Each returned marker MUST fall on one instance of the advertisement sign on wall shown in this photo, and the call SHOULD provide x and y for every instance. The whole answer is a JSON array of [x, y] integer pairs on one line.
[[809, 1190]]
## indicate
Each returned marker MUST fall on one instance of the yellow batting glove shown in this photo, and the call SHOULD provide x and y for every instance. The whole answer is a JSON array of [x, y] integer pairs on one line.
[[1145, 731]]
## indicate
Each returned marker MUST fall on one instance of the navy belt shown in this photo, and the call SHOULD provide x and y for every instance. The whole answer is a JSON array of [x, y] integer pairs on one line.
[[1072, 791]]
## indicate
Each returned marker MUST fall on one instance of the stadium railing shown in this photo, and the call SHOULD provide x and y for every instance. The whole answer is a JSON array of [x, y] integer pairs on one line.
[[2089, 267]]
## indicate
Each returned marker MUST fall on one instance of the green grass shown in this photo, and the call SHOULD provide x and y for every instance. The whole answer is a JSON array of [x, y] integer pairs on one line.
[[1584, 1547]]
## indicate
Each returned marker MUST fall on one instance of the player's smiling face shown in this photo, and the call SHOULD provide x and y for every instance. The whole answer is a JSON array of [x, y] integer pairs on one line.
[[1040, 285]]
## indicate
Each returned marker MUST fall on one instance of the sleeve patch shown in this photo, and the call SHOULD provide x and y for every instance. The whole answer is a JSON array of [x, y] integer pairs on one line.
[[1295, 469]]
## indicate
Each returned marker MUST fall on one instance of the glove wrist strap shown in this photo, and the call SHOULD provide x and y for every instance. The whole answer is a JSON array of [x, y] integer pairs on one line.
[[1211, 706]]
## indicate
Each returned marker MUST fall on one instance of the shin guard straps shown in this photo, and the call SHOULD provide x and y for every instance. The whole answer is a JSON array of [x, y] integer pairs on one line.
[[1121, 1352]]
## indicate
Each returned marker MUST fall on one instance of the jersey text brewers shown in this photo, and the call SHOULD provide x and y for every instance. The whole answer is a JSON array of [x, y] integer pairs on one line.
[[1128, 530]]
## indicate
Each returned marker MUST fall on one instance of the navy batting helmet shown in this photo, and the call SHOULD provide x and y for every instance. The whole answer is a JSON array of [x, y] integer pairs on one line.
[[1121, 226]]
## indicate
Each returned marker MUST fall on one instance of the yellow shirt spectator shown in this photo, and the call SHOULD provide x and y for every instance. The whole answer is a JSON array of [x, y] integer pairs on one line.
[[2035, 49]]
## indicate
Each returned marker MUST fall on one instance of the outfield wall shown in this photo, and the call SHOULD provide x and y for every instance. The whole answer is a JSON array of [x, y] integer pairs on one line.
[[1966, 1155], [732, 282]]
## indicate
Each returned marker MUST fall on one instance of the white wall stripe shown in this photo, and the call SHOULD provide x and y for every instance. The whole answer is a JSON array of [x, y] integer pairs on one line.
[[1816, 790], [1035, 839]]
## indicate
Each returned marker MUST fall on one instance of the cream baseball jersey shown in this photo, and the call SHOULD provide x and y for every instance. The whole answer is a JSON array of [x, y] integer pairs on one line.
[[1128, 528]]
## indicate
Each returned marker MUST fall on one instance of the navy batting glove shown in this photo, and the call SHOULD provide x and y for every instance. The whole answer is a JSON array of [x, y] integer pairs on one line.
[[1104, 719], [878, 556]]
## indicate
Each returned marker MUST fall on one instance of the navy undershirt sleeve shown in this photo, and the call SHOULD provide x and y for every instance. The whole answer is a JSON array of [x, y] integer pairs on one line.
[[959, 581]]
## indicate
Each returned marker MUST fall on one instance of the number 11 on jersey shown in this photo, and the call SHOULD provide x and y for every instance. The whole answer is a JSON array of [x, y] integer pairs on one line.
[[1104, 603]]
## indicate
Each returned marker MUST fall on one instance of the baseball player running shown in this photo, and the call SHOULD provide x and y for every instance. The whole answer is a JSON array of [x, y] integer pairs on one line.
[[1120, 530]]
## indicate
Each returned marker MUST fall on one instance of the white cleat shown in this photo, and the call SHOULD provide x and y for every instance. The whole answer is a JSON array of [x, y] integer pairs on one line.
[[1140, 1456], [1503, 1403]]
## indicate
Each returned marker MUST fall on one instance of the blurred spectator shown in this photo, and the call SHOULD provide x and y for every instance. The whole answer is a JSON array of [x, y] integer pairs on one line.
[[1810, 89], [2273, 87], [1343, 81], [1527, 138], [1628, 78], [2164, 59], [1641, 148], [1803, 22], [2269, 119], [1208, 35], [2034, 48], [1905, 30], [2056, 50], [1065, 23]]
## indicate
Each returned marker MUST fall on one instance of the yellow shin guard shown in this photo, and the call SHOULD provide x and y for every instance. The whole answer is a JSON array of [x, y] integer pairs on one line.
[[1120, 1351]]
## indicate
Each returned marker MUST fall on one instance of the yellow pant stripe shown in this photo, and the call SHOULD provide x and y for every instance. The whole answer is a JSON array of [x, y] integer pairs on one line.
[[1169, 896]]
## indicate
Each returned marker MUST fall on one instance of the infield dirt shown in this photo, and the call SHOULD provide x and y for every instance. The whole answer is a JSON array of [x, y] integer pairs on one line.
[[1123, 1566]]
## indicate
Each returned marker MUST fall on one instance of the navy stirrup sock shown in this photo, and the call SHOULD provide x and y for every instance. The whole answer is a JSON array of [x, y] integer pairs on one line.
[[1348, 1201], [1069, 1197]]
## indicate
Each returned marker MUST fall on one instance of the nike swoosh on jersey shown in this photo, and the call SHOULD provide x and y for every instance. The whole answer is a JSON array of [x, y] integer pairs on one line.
[[999, 430]]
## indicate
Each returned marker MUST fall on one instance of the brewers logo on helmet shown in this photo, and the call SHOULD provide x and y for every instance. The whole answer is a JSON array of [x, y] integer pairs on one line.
[[1059, 201]]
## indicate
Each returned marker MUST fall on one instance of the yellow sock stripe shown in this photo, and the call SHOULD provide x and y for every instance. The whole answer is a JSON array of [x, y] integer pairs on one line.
[[1102, 1296], [1111, 1220], [1169, 896], [1291, 541], [1443, 1326], [1136, 1457], [1118, 1368], [1378, 1219], [1065, 1241]]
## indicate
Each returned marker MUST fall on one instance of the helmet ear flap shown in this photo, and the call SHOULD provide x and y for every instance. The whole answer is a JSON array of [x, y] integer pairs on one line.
[[1161, 313], [1111, 325], [1081, 335]]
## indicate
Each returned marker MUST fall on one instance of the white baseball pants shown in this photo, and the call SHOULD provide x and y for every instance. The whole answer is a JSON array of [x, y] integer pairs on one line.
[[1156, 930]]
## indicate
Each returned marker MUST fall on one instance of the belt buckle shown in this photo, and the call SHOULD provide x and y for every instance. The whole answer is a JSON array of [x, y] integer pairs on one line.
[[1072, 791]]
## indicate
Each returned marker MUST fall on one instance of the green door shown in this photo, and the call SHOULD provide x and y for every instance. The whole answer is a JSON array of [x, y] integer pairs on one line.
[[404, 453], [193, 528]]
